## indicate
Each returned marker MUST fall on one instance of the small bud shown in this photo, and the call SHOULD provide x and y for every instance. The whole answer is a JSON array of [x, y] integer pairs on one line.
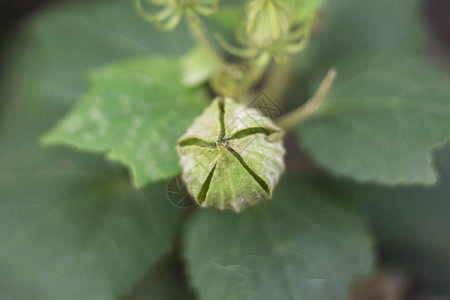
[[268, 21], [232, 156]]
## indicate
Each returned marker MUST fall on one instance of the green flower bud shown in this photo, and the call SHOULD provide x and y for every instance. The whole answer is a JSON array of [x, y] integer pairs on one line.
[[232, 156], [268, 21]]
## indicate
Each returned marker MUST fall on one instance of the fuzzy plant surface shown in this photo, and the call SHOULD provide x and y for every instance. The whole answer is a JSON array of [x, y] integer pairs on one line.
[[232, 156], [224, 99]]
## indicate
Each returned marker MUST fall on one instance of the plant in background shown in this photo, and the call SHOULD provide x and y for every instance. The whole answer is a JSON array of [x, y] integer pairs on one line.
[[218, 170], [269, 30], [197, 104]]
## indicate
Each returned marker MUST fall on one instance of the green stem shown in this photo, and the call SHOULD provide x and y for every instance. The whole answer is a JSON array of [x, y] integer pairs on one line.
[[256, 72], [278, 81], [199, 33], [292, 119]]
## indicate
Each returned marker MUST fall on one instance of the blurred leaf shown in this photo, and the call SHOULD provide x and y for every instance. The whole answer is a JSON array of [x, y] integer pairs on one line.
[[135, 111], [412, 225], [228, 17], [46, 70], [381, 121], [298, 245], [351, 27], [198, 66], [304, 9], [165, 282], [72, 227], [360, 25]]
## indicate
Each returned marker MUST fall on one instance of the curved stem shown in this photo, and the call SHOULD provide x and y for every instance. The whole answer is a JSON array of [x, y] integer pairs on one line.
[[257, 71], [278, 80], [292, 119], [199, 33]]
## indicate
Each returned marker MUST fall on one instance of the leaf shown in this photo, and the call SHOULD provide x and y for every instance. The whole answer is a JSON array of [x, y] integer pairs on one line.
[[43, 77], [166, 281], [46, 67], [299, 245], [135, 111], [381, 121], [199, 66], [304, 9], [347, 28], [72, 228], [412, 225], [355, 25], [228, 17]]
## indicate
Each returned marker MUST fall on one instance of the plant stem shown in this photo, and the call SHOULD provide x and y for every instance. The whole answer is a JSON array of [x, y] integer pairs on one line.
[[256, 72], [278, 81], [199, 33], [292, 119]]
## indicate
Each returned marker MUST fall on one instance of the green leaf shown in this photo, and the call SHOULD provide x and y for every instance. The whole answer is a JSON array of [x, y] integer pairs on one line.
[[135, 111], [347, 28], [304, 9], [46, 67], [72, 228], [228, 17], [361, 25], [166, 281], [198, 66], [381, 121], [299, 245], [45, 229], [412, 225]]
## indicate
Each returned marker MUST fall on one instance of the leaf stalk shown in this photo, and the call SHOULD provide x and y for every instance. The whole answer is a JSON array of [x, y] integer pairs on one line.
[[295, 117]]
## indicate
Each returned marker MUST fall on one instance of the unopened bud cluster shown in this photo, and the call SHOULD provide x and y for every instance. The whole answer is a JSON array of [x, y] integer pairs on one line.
[[267, 21]]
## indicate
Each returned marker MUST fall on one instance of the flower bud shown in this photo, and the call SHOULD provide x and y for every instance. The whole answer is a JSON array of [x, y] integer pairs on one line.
[[267, 21], [232, 156]]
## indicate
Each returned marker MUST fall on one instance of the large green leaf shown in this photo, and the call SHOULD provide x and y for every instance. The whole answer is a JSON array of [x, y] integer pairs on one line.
[[166, 281], [381, 121], [71, 228], [412, 225], [299, 245], [354, 25], [347, 28], [135, 111], [71, 225], [49, 66]]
